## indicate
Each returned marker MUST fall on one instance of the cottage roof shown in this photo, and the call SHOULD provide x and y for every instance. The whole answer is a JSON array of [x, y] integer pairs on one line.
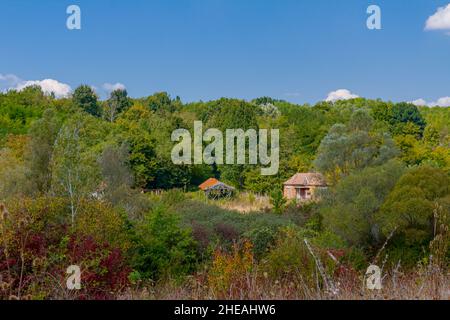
[[220, 186], [307, 179], [214, 184], [208, 183]]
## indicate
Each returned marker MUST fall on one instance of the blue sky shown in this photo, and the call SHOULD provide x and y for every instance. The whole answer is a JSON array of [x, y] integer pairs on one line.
[[295, 50]]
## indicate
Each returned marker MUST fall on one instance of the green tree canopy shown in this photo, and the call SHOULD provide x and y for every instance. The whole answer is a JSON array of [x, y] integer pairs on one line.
[[349, 209], [86, 99], [353, 147], [409, 207], [117, 103], [43, 134], [406, 119]]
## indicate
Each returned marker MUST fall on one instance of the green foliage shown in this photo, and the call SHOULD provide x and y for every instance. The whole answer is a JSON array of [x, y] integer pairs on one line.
[[438, 119], [409, 207], [117, 181], [329, 240], [13, 171], [257, 183], [43, 135], [163, 249], [75, 173], [103, 223], [149, 139], [37, 245], [116, 104], [290, 258], [356, 258], [134, 126], [87, 173], [113, 162], [412, 151], [161, 102], [440, 246], [262, 239], [173, 197], [349, 209], [409, 253], [231, 114], [205, 218], [18, 110], [353, 147], [406, 119], [85, 98], [278, 201]]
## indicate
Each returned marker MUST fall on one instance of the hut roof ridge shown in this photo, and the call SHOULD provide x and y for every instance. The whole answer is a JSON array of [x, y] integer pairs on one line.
[[307, 179]]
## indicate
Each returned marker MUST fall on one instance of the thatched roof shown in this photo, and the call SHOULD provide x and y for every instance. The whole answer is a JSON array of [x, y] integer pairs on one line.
[[307, 179]]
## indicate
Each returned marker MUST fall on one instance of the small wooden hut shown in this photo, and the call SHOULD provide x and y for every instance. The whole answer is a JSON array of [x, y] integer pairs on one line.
[[214, 189]]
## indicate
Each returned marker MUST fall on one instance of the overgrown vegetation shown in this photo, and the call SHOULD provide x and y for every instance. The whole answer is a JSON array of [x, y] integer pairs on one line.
[[91, 183]]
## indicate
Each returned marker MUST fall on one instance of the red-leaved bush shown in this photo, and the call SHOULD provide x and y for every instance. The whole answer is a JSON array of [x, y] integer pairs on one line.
[[104, 272], [37, 247]]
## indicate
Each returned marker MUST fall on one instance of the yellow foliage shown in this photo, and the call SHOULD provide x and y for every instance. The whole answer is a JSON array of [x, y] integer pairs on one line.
[[101, 221], [229, 270]]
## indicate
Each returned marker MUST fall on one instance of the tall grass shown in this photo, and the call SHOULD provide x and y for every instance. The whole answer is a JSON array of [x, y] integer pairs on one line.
[[428, 284]]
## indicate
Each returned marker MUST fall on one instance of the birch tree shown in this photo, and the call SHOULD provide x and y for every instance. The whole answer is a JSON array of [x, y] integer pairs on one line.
[[74, 174]]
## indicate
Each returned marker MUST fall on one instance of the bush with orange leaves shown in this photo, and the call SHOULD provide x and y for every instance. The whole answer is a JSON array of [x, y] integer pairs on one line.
[[230, 271]]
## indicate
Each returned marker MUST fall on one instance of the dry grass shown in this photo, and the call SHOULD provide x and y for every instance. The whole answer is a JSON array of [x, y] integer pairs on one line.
[[243, 202], [430, 284], [246, 203]]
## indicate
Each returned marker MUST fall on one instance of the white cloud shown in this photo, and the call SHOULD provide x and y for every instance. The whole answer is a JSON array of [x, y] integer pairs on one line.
[[10, 78], [419, 102], [341, 94], [441, 102], [48, 86], [110, 87], [440, 20], [7, 81]]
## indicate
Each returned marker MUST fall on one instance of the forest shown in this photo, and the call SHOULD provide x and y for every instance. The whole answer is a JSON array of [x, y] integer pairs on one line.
[[90, 182]]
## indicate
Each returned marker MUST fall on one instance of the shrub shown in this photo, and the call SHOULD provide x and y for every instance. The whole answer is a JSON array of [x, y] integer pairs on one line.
[[350, 209], [195, 214], [261, 238], [227, 232], [104, 271], [290, 259], [355, 258], [440, 246], [162, 248], [329, 240], [201, 235], [301, 214], [401, 250], [104, 223], [278, 201], [409, 207], [229, 271], [173, 197], [37, 246]]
